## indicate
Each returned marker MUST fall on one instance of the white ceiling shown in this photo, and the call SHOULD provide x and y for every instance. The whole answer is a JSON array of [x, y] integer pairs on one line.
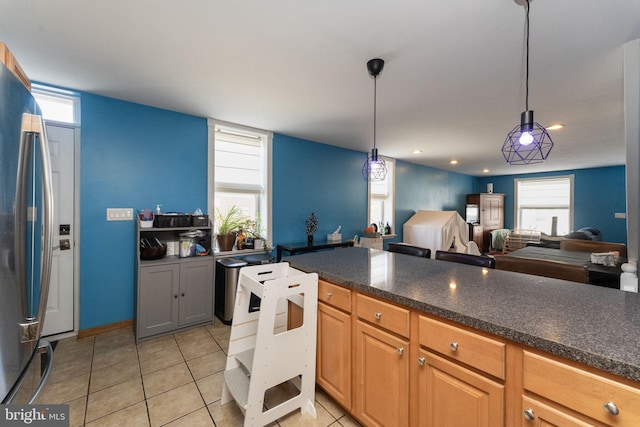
[[453, 83]]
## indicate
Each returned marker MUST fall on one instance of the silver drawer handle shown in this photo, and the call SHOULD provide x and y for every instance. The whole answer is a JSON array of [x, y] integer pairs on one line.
[[378, 315], [529, 414], [400, 350], [611, 408], [329, 295], [453, 346], [421, 361]]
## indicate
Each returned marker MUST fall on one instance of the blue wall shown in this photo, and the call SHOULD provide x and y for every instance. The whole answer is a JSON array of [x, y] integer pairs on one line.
[[598, 194], [423, 188], [138, 156], [311, 177], [131, 156]]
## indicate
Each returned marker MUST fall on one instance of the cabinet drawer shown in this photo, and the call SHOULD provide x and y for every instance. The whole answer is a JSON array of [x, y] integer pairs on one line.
[[383, 314], [582, 391], [470, 348], [334, 295]]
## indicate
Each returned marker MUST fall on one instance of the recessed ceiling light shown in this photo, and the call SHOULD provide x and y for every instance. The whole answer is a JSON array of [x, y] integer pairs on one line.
[[453, 162], [486, 170], [417, 151], [554, 127]]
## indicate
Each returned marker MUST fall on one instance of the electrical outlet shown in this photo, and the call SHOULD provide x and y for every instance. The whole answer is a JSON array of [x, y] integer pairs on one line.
[[620, 215], [119, 214]]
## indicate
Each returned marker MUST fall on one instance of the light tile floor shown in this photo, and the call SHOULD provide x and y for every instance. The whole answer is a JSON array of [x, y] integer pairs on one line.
[[175, 380]]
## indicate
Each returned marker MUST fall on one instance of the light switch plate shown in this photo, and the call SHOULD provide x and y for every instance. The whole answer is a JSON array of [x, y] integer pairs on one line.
[[119, 214], [620, 215]]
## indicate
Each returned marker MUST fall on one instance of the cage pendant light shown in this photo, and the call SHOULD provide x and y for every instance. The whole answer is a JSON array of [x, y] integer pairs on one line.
[[528, 142], [374, 169]]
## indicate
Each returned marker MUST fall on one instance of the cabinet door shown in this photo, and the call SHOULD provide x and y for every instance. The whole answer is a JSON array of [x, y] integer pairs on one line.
[[158, 288], [492, 210], [451, 395], [333, 368], [196, 291], [537, 414], [382, 377]]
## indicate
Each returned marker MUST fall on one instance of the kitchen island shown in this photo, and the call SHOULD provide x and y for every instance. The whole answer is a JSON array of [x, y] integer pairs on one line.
[[532, 317]]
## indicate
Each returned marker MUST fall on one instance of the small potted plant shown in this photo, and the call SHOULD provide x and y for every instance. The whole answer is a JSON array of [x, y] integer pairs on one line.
[[256, 232], [311, 226], [227, 225]]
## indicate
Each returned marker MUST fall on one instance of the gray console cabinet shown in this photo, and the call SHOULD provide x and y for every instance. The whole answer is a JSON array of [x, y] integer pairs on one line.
[[172, 293]]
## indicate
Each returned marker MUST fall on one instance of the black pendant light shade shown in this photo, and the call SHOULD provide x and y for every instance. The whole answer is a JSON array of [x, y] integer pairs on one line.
[[374, 169], [528, 142]]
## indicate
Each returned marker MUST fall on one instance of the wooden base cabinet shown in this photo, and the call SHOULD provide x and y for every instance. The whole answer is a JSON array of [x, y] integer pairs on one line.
[[388, 365], [451, 395], [573, 392], [538, 414], [333, 364], [382, 377]]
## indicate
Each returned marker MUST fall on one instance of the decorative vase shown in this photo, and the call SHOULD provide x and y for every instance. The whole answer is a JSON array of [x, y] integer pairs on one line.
[[309, 239], [226, 241]]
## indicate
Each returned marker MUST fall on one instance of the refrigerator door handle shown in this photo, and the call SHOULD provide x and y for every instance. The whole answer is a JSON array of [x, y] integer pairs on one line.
[[31, 125], [20, 227], [47, 221]]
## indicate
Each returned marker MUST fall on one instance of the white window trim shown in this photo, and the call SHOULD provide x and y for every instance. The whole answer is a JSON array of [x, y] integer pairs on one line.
[[387, 160], [60, 93], [549, 178], [214, 124]]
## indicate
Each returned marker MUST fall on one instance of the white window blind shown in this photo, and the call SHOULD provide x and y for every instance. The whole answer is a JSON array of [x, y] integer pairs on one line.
[[544, 193], [239, 161], [545, 204]]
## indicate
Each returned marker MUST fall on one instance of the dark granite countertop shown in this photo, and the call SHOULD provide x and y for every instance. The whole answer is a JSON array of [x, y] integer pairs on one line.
[[594, 325]]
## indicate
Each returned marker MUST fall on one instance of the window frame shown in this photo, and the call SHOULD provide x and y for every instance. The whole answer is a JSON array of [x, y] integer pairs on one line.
[[516, 210], [55, 93], [391, 197], [266, 216]]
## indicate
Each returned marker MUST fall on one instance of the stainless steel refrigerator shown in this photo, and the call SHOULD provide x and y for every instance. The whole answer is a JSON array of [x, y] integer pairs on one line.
[[26, 220]]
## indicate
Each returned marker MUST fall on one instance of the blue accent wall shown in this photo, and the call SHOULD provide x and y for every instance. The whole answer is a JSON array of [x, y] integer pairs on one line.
[[138, 156], [312, 177], [131, 156], [424, 188], [598, 194]]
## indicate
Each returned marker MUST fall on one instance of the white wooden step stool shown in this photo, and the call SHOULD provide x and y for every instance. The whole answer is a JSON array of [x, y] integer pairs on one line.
[[263, 352]]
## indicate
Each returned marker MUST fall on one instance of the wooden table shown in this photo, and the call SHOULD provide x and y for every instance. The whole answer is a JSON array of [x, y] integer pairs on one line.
[[599, 274]]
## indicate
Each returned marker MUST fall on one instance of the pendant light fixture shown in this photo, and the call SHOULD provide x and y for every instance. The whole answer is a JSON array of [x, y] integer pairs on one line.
[[528, 142], [374, 168]]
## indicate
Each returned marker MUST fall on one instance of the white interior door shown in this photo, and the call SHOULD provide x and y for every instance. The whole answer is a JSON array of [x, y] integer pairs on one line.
[[60, 307]]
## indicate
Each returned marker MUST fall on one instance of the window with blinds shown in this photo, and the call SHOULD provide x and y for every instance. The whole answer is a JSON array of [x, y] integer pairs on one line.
[[545, 204], [241, 173]]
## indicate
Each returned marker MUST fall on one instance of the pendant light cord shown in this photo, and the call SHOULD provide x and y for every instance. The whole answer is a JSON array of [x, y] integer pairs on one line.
[[527, 65], [375, 104]]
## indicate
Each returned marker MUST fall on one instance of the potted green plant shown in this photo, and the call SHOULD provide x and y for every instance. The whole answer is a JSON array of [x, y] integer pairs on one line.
[[256, 232], [227, 225]]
